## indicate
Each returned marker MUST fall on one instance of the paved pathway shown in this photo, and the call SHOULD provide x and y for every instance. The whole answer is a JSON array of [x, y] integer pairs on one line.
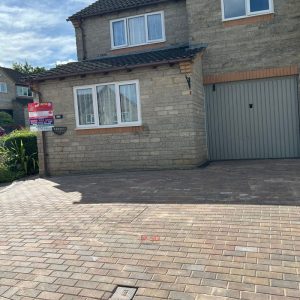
[[196, 234]]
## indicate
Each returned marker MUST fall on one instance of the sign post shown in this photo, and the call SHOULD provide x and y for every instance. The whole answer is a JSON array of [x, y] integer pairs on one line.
[[41, 116]]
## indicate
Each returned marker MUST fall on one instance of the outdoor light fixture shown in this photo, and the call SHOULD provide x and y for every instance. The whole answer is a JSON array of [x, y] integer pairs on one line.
[[189, 81]]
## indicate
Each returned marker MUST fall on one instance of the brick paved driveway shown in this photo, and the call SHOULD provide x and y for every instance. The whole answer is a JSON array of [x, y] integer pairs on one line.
[[197, 234]]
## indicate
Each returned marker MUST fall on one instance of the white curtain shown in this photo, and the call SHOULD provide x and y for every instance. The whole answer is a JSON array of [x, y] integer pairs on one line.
[[234, 8], [128, 98], [85, 107], [3, 87], [136, 27], [119, 33], [106, 98], [154, 27]]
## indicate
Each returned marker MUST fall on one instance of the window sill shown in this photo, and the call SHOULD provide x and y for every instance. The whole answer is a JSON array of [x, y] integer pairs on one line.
[[248, 20], [93, 131], [138, 48], [139, 45]]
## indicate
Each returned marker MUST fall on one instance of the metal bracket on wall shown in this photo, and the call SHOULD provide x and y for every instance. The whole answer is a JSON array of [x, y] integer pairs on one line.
[[59, 130]]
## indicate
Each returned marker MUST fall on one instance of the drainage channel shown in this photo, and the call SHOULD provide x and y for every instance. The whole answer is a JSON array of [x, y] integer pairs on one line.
[[123, 293]]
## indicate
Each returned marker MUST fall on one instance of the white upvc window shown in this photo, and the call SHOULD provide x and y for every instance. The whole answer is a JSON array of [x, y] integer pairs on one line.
[[108, 105], [24, 91], [3, 87], [137, 30], [238, 9]]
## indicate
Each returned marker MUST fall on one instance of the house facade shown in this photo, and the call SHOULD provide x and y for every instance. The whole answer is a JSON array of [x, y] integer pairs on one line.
[[15, 94], [175, 83]]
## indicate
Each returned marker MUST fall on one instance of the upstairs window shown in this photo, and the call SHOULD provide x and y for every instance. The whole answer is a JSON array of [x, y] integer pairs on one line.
[[24, 91], [137, 30], [236, 9], [3, 87]]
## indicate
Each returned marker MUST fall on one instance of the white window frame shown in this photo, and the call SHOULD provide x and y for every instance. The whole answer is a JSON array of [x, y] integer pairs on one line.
[[24, 87], [125, 20], [248, 12], [118, 105], [112, 33], [5, 91]]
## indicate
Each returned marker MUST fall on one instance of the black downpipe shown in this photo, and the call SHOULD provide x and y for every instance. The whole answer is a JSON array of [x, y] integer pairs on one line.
[[84, 57]]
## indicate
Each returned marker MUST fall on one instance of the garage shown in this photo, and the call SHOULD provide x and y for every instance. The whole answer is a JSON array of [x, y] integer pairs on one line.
[[254, 119]]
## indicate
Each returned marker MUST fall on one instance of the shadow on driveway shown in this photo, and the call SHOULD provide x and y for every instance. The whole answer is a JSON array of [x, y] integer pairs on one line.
[[261, 182]]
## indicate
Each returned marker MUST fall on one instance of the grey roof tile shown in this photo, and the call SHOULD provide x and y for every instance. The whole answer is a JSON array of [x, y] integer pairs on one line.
[[16, 76], [129, 61], [101, 7]]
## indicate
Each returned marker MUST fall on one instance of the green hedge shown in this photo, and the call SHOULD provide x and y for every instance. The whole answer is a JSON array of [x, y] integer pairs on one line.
[[29, 141], [6, 175], [28, 138]]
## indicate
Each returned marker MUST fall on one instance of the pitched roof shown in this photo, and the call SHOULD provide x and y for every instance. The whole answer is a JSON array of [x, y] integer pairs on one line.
[[16, 76], [129, 61], [101, 7]]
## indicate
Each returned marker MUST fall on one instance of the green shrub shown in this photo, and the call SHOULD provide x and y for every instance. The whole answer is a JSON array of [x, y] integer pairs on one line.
[[5, 119], [7, 175], [28, 138], [18, 160], [21, 151]]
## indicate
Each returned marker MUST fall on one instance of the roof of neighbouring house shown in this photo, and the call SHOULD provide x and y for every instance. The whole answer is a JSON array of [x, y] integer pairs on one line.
[[16, 76], [101, 7], [128, 61]]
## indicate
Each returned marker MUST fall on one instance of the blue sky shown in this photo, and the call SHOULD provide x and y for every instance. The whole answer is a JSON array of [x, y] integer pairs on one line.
[[37, 31]]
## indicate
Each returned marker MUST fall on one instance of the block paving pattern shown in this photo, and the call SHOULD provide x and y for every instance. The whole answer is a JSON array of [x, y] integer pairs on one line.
[[79, 237]]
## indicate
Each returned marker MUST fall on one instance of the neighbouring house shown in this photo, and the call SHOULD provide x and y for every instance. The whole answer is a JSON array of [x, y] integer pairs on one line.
[[15, 94], [175, 83]]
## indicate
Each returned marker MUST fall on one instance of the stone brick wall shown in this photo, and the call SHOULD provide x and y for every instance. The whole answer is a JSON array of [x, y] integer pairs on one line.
[[255, 43], [6, 98], [263, 44], [171, 134], [199, 114], [267, 43], [97, 29]]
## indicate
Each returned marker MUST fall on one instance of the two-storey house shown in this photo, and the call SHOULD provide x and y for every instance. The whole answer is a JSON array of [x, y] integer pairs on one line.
[[174, 83], [15, 94]]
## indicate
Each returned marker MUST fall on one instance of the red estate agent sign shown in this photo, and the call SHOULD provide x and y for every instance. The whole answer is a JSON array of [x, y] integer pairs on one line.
[[41, 116]]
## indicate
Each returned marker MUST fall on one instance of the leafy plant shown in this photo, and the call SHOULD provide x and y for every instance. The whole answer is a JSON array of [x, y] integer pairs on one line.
[[19, 160], [18, 155], [6, 173], [28, 138]]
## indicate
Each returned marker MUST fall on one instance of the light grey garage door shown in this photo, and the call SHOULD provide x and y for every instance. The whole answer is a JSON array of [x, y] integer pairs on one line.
[[253, 119]]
